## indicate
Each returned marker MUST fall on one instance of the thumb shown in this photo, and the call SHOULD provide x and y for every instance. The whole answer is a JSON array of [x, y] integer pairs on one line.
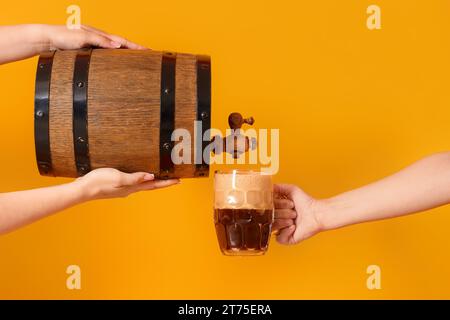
[[157, 184], [130, 179]]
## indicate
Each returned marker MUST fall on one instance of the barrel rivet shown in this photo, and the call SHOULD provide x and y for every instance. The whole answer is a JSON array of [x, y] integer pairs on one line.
[[166, 91], [204, 115], [41, 65], [80, 84], [80, 139], [40, 113], [166, 146]]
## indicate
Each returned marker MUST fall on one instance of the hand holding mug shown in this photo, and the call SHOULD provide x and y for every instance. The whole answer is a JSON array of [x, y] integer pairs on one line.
[[296, 217]]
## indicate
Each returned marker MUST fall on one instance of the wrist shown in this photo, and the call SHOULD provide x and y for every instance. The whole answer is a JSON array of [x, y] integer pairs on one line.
[[319, 209], [327, 213], [82, 191], [38, 36], [340, 211]]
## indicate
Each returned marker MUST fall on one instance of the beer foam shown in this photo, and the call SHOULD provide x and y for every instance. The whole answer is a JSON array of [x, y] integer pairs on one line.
[[246, 181], [243, 190]]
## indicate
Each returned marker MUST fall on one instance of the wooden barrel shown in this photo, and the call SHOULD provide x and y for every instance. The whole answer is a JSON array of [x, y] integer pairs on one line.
[[99, 108]]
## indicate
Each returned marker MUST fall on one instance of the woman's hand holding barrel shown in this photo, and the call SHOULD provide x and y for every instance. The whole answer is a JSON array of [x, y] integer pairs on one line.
[[23, 207], [26, 40], [111, 183], [60, 37]]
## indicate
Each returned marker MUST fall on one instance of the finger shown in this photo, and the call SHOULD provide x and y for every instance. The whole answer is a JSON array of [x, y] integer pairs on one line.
[[284, 189], [157, 184], [285, 236], [124, 43], [98, 40], [283, 204], [285, 214], [130, 179], [282, 223]]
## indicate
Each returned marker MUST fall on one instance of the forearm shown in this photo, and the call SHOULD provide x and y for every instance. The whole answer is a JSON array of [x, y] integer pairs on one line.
[[22, 41], [23, 207], [421, 186]]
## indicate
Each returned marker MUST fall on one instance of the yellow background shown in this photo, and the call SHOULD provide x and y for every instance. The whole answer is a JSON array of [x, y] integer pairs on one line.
[[352, 106]]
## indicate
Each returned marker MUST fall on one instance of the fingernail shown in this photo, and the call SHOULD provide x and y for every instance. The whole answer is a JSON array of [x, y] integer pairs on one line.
[[115, 44], [149, 176]]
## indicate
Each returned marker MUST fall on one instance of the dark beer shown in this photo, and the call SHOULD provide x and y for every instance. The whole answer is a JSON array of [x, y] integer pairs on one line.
[[243, 231], [243, 212]]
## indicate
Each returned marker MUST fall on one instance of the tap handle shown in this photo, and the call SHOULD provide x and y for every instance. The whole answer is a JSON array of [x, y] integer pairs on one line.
[[236, 120]]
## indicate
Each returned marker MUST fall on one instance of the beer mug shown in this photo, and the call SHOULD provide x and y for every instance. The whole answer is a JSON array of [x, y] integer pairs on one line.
[[243, 211]]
